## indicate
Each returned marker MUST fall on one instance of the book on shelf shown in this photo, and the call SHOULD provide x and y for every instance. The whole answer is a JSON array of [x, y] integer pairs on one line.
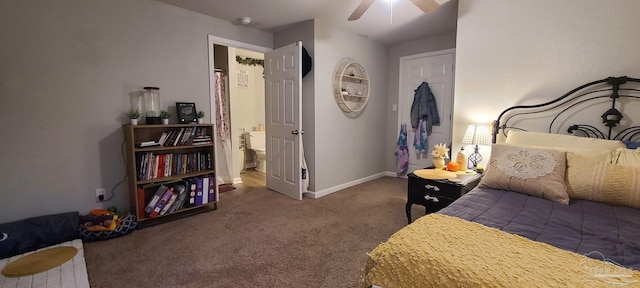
[[212, 188], [169, 203], [167, 165], [181, 189], [148, 144], [162, 189], [161, 203], [163, 137], [160, 172], [185, 135], [201, 143], [199, 190], [178, 136], [140, 196], [205, 190], [192, 193]]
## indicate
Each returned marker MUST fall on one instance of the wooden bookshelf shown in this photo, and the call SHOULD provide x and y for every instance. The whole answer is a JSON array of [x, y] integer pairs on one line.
[[177, 162]]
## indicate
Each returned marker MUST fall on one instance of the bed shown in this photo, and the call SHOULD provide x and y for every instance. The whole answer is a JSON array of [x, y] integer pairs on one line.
[[555, 208], [71, 274]]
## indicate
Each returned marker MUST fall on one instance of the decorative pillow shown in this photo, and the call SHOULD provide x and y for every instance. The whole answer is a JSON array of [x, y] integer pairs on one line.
[[558, 140], [600, 155], [601, 182], [627, 157], [533, 171]]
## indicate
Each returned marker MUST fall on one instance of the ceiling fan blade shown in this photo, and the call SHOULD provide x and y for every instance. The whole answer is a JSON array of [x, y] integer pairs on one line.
[[427, 6], [364, 5]]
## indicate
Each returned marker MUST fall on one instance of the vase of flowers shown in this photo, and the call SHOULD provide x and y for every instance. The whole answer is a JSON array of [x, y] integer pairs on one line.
[[439, 154]]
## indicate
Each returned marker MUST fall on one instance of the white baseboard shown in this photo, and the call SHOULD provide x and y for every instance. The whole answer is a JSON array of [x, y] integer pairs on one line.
[[237, 180], [325, 192]]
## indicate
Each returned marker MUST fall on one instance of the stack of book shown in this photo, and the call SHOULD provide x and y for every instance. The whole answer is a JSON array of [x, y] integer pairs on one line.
[[184, 136], [199, 140], [148, 144], [171, 197]]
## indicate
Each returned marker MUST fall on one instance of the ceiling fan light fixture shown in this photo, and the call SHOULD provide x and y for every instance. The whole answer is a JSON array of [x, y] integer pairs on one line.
[[427, 6], [245, 20]]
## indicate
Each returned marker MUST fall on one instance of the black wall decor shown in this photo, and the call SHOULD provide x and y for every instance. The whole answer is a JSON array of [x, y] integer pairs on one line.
[[186, 112]]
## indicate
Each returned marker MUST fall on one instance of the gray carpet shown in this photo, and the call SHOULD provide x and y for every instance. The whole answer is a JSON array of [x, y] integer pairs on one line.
[[258, 238]]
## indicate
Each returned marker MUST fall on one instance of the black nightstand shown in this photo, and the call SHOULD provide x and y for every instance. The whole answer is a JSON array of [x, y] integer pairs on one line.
[[437, 194]]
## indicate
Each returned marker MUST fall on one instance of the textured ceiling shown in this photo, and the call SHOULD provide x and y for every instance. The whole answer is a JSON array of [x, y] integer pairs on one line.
[[406, 22]]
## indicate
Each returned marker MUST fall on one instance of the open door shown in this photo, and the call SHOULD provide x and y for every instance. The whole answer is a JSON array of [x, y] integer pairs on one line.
[[283, 80]]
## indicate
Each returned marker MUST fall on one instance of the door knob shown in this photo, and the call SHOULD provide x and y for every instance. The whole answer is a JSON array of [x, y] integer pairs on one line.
[[295, 132]]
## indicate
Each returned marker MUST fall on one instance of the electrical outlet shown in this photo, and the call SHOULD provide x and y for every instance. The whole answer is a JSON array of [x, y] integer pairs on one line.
[[100, 193]]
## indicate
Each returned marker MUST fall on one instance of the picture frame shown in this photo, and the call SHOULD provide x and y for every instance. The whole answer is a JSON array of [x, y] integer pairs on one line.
[[186, 112]]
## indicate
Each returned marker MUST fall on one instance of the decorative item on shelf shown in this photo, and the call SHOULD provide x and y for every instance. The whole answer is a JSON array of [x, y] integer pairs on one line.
[[477, 134], [133, 115], [200, 116], [165, 117], [439, 154], [186, 112], [461, 159], [152, 105]]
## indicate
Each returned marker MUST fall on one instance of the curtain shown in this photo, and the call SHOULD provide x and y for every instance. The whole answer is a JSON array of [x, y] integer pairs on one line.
[[224, 167]]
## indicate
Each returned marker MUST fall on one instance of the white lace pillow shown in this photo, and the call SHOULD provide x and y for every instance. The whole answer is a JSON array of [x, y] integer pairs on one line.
[[533, 171]]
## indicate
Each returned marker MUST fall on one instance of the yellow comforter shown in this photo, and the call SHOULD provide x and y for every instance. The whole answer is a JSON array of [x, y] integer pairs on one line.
[[444, 251]]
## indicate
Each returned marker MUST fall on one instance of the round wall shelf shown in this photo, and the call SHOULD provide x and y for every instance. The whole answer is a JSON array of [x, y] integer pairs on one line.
[[351, 86]]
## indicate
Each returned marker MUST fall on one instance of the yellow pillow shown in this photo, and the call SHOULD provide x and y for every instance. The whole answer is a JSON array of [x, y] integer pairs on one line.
[[537, 172], [627, 157], [601, 182]]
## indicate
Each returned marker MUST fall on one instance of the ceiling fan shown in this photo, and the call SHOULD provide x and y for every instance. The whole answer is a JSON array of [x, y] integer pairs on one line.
[[426, 6]]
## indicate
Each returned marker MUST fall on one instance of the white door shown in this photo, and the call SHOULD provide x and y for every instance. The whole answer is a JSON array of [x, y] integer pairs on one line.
[[435, 68], [283, 79]]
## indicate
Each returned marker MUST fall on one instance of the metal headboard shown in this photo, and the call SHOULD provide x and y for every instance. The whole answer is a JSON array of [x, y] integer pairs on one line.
[[613, 93]]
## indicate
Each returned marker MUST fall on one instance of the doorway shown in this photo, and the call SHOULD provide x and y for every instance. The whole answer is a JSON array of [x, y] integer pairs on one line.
[[237, 67]]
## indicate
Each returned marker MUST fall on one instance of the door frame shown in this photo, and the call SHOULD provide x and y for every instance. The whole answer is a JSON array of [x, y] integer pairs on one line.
[[214, 40], [423, 55]]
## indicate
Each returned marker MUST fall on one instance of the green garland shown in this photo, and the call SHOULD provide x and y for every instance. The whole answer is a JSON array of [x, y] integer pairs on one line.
[[250, 61]]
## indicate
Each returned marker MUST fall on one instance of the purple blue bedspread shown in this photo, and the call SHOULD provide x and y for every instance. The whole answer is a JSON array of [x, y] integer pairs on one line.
[[584, 227]]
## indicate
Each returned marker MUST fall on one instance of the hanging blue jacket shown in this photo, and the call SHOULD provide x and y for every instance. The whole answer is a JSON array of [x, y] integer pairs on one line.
[[424, 106]]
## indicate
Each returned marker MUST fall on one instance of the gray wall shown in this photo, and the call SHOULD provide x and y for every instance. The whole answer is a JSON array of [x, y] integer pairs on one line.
[[347, 149], [573, 43], [68, 67], [424, 45]]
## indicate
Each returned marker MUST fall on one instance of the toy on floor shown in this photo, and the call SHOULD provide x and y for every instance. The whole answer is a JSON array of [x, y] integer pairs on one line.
[[99, 220]]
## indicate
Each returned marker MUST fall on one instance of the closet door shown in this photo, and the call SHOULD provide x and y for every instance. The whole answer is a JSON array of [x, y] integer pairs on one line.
[[435, 68]]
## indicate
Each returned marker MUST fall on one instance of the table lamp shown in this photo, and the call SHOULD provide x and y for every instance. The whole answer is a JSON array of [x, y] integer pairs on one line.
[[476, 134]]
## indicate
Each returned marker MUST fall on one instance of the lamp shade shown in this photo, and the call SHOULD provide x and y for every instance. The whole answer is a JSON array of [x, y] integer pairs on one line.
[[477, 134]]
